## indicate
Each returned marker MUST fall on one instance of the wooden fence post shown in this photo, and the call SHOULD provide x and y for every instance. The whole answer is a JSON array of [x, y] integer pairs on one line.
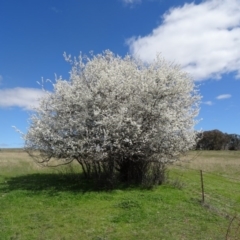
[[202, 186]]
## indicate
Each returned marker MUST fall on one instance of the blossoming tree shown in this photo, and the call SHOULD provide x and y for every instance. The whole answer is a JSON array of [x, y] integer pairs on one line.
[[119, 118]]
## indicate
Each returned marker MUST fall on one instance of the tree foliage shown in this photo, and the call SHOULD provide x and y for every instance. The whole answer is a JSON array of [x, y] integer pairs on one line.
[[217, 140], [212, 140], [118, 117]]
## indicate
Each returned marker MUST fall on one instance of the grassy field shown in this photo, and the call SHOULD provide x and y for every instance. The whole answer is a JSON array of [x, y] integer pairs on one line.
[[40, 203]]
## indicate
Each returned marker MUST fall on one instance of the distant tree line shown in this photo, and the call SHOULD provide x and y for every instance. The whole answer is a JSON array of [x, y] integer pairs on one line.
[[217, 140]]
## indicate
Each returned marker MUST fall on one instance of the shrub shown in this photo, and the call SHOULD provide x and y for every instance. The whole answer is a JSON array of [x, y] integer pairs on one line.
[[121, 119]]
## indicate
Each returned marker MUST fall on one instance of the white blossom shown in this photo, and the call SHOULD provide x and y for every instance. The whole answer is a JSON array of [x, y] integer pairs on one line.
[[116, 108]]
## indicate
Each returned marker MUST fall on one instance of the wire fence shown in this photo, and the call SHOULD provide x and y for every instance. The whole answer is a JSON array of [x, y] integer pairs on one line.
[[218, 193]]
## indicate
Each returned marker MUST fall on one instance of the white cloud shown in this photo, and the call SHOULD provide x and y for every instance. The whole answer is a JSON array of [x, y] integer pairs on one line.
[[54, 9], [131, 2], [223, 96], [204, 38], [26, 98], [209, 103]]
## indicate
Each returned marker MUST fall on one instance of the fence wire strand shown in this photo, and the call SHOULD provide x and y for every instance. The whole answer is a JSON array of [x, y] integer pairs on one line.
[[212, 197]]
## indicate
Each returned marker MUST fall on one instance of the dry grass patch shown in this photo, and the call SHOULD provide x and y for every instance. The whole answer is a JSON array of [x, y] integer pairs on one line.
[[226, 163], [17, 162], [14, 157]]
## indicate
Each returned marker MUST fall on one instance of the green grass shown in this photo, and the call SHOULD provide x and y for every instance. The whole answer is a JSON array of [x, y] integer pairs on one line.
[[40, 203]]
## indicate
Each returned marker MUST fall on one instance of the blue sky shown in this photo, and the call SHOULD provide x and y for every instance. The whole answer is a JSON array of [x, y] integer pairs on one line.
[[202, 36]]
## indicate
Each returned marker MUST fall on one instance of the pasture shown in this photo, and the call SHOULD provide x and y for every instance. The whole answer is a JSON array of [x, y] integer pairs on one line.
[[57, 203]]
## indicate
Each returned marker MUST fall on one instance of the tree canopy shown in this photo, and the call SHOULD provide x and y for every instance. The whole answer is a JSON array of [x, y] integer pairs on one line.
[[217, 140], [118, 117]]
